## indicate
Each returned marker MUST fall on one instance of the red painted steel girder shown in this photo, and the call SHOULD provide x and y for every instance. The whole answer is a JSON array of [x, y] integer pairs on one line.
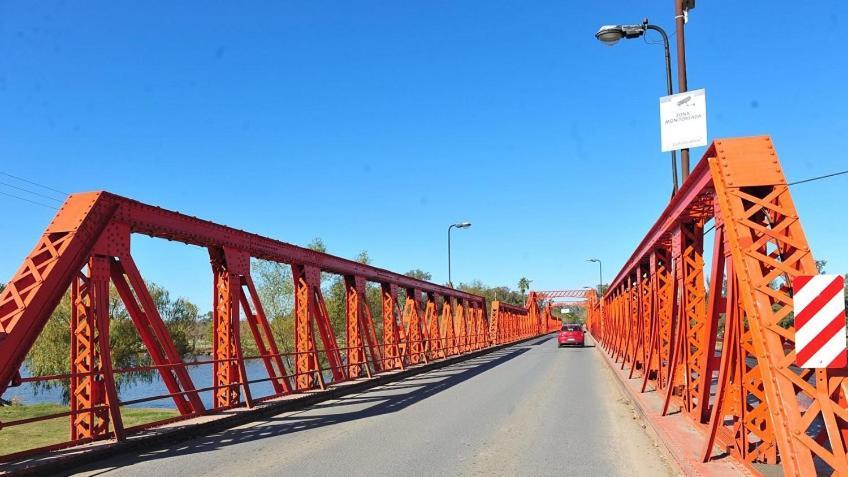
[[551, 294], [693, 200], [561, 304], [100, 218], [519, 310], [157, 222], [660, 319]]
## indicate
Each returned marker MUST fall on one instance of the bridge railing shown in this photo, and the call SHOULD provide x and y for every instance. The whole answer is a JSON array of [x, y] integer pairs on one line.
[[86, 249], [722, 350]]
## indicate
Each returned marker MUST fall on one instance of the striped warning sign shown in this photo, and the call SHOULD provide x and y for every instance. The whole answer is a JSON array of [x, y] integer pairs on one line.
[[820, 340]]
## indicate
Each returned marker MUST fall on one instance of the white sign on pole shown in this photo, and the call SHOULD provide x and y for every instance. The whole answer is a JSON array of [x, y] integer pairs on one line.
[[566, 310], [683, 120]]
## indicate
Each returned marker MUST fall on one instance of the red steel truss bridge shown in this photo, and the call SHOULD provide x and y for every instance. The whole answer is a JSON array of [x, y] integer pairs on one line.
[[87, 248], [724, 356], [716, 361]]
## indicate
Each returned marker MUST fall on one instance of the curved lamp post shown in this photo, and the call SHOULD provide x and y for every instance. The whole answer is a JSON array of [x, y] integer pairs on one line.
[[461, 225], [611, 34], [600, 274]]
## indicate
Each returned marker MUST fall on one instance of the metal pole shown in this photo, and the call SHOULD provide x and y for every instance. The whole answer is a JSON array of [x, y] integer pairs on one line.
[[601, 277], [450, 283], [670, 89], [681, 71]]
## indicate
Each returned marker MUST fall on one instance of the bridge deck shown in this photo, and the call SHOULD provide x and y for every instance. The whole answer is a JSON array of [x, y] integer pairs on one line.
[[529, 409]]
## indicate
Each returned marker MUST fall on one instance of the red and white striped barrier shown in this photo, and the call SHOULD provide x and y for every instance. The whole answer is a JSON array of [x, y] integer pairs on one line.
[[820, 340]]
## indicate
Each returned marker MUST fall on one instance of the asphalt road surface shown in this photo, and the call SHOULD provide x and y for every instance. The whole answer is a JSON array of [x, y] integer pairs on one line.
[[530, 409]]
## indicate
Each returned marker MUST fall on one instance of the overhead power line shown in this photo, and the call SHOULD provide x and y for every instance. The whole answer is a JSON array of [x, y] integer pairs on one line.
[[803, 181], [22, 189], [33, 183], [29, 191], [826, 176], [28, 200]]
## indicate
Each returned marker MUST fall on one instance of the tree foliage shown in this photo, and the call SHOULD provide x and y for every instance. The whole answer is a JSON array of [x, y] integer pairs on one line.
[[335, 298], [50, 354], [575, 314], [524, 285], [317, 245], [275, 288], [501, 293], [419, 274]]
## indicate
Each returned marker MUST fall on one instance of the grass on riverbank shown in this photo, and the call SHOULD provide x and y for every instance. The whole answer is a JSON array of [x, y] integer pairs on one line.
[[53, 431]]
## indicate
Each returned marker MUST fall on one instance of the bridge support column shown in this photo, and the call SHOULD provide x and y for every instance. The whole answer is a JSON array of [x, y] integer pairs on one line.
[[355, 341], [448, 341], [494, 322], [94, 398], [309, 307], [414, 333], [228, 369], [391, 333], [431, 318], [461, 323], [689, 347]]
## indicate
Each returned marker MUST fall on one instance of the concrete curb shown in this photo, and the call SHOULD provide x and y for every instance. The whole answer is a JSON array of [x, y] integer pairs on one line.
[[51, 463]]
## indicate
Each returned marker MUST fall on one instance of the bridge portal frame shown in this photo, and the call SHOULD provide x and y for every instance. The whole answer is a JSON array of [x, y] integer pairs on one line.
[[764, 409]]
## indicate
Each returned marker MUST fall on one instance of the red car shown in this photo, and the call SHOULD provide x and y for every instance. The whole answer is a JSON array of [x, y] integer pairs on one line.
[[571, 335]]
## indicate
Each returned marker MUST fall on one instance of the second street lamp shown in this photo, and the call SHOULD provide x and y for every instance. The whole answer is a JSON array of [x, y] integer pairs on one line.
[[600, 275], [611, 34], [461, 225]]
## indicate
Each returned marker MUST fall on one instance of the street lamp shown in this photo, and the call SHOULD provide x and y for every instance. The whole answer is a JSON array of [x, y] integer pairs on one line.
[[611, 34], [600, 274], [461, 225]]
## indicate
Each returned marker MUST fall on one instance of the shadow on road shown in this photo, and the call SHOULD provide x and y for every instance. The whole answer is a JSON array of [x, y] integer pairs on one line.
[[385, 399]]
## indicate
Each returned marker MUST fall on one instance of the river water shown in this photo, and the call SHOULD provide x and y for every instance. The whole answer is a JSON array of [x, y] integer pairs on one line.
[[201, 376]]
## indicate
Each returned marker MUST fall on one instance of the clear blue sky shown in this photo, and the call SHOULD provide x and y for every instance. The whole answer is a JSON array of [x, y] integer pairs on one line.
[[374, 125]]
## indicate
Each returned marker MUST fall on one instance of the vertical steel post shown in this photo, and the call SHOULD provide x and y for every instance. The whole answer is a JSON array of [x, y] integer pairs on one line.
[[228, 368], [391, 334], [682, 86], [355, 295]]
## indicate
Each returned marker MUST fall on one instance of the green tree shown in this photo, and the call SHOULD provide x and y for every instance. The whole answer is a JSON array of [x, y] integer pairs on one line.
[[317, 245], [575, 314], [335, 298], [275, 288], [419, 274], [524, 285], [50, 353], [181, 325], [180, 317], [502, 293], [201, 334]]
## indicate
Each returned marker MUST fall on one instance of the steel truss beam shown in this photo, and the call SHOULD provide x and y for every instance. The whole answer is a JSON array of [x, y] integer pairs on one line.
[[86, 249], [661, 319]]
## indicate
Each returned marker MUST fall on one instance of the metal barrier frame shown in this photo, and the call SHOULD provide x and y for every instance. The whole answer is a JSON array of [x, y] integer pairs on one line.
[[87, 248], [659, 319]]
